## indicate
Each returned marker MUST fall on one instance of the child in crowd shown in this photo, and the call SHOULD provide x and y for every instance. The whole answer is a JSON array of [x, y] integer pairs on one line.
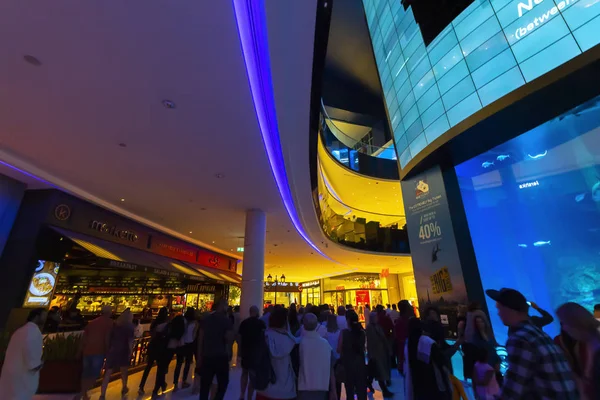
[[484, 377]]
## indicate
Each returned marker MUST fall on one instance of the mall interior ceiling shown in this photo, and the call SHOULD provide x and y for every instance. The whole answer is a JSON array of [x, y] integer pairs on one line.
[[150, 115]]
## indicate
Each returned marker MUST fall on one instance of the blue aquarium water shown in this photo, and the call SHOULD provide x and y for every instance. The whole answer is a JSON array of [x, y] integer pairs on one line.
[[533, 208]]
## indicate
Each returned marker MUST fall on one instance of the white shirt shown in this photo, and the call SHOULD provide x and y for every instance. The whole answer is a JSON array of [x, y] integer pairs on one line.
[[394, 315], [190, 330], [315, 362], [24, 353]]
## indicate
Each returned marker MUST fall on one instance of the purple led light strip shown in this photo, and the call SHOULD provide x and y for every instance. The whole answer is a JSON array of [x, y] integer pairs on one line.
[[250, 18]]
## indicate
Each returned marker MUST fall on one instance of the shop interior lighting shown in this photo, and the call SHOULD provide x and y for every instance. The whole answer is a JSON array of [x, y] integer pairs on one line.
[[252, 28]]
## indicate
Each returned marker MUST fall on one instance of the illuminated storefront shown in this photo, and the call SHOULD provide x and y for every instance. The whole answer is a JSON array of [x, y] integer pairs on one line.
[[310, 293], [281, 292]]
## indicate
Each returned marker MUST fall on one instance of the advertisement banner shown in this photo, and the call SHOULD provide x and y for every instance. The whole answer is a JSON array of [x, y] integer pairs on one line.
[[437, 268], [41, 287]]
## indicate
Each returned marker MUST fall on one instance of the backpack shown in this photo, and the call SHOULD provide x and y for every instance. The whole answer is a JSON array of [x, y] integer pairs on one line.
[[262, 374]]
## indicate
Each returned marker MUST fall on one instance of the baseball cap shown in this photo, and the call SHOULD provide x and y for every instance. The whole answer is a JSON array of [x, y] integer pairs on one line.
[[509, 298]]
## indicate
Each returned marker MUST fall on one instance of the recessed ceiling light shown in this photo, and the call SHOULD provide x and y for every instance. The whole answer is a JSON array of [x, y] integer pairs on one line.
[[191, 232], [213, 242], [122, 200], [32, 60], [168, 104]]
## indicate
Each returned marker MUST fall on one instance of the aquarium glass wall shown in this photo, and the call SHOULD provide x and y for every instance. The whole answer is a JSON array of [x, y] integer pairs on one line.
[[490, 49], [533, 208]]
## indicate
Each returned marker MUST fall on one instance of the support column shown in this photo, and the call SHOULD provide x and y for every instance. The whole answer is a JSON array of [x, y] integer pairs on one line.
[[254, 262]]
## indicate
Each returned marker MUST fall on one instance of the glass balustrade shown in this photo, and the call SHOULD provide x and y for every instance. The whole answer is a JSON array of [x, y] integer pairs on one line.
[[359, 229], [357, 150]]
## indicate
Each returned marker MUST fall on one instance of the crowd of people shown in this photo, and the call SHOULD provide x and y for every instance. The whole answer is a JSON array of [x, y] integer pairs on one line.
[[311, 352]]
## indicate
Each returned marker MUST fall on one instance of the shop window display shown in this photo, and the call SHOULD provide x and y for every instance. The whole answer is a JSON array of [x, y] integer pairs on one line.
[[533, 208]]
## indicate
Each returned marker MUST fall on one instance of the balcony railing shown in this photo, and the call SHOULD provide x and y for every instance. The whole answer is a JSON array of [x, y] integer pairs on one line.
[[358, 152], [357, 228]]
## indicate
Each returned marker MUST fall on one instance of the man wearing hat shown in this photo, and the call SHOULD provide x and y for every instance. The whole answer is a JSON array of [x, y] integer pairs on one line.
[[537, 368]]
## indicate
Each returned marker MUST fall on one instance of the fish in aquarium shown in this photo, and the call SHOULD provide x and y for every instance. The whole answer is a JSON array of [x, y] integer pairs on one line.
[[541, 243], [537, 156], [580, 197], [596, 191], [522, 245], [487, 164], [502, 157]]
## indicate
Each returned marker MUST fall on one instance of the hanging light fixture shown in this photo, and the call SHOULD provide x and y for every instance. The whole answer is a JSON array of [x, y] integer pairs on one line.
[[269, 278], [282, 280]]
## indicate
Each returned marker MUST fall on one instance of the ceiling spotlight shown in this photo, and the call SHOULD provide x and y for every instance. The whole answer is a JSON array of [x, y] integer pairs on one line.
[[32, 60], [191, 232], [122, 200], [168, 104], [213, 242]]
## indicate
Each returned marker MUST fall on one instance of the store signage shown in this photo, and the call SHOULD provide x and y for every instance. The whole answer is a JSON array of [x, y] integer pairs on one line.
[[172, 249], [340, 288], [100, 289], [164, 272], [113, 230], [282, 287], [528, 184], [62, 212], [310, 284], [201, 288], [541, 17], [126, 265]]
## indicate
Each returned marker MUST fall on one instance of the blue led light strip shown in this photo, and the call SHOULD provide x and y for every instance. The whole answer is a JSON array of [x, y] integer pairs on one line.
[[250, 17]]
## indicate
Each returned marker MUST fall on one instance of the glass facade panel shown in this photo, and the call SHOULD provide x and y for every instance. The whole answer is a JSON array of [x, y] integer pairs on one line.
[[506, 43]]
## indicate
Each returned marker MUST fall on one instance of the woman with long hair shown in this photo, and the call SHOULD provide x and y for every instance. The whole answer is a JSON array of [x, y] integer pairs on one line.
[[120, 349], [294, 322], [581, 325], [426, 376], [379, 351], [351, 348], [185, 352], [155, 346], [173, 333]]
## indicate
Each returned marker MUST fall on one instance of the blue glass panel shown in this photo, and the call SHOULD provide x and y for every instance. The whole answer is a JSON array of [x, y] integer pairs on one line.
[[420, 70], [415, 129], [411, 116], [550, 58], [587, 36], [445, 45], [495, 67], [432, 113], [404, 90], [406, 105], [458, 92], [428, 98], [424, 85], [464, 109], [480, 35], [418, 144], [405, 158], [447, 62], [436, 129], [486, 51], [455, 75], [500, 86], [475, 19], [578, 13], [401, 143]]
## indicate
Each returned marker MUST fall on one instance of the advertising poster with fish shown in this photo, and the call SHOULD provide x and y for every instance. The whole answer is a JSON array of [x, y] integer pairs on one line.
[[437, 268], [43, 282]]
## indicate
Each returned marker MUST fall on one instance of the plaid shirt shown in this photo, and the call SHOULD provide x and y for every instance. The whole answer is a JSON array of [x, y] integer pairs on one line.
[[537, 368]]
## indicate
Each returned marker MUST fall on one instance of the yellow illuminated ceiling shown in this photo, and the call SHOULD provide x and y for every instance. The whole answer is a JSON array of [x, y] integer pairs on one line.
[[361, 193]]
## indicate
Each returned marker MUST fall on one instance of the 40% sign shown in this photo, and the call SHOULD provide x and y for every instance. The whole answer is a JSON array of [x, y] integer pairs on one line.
[[427, 231]]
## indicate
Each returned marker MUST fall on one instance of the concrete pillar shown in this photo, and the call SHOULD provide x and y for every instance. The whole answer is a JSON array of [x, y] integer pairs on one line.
[[254, 262]]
